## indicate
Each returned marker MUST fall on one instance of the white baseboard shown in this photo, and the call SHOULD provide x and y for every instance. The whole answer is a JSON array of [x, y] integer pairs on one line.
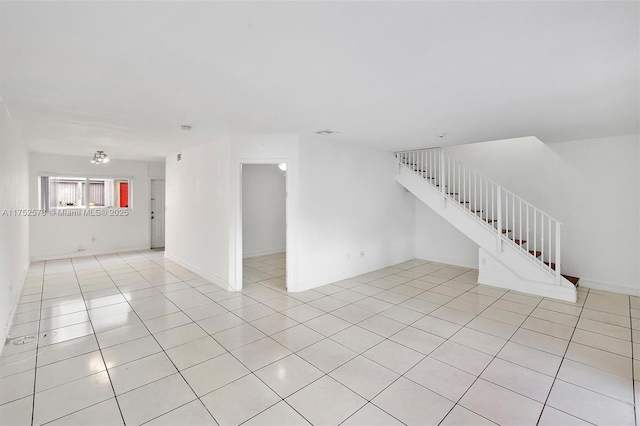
[[222, 283], [88, 253], [4, 332], [266, 252], [614, 288], [328, 279], [448, 261]]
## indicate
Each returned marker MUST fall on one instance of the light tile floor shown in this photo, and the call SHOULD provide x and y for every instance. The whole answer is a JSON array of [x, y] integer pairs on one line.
[[133, 338]]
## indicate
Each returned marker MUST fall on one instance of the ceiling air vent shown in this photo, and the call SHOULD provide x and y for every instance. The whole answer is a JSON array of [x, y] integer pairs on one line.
[[326, 132], [179, 157]]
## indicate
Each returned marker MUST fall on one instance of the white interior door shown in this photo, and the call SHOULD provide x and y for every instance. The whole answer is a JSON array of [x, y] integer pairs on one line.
[[157, 213]]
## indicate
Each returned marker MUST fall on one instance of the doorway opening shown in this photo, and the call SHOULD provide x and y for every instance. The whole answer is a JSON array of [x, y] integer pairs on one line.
[[157, 213], [264, 226]]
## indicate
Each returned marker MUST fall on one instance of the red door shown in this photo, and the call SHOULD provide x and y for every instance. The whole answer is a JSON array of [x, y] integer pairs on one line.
[[124, 194]]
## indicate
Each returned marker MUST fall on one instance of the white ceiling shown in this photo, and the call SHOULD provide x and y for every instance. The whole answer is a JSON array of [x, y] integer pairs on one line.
[[123, 77]]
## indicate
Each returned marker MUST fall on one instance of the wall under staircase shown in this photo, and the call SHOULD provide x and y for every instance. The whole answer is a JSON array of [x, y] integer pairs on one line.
[[520, 245]]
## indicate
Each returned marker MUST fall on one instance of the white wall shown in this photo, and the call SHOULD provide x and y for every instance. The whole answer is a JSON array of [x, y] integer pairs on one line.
[[263, 149], [14, 230], [591, 186], [341, 200], [263, 209], [57, 237], [197, 210], [349, 203], [439, 241]]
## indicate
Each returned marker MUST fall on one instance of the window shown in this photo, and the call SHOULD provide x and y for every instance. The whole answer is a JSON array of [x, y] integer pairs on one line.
[[81, 192]]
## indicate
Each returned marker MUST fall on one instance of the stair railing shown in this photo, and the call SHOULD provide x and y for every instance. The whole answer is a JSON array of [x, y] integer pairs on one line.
[[514, 221]]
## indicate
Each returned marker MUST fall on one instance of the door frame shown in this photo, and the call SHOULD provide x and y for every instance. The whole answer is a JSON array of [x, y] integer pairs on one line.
[[237, 254], [165, 201]]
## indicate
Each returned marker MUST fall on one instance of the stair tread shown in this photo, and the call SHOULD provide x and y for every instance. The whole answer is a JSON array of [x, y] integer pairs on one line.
[[504, 231], [519, 242], [535, 253], [572, 280]]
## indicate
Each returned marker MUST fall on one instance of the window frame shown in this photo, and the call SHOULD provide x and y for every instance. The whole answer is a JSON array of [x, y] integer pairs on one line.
[[86, 191]]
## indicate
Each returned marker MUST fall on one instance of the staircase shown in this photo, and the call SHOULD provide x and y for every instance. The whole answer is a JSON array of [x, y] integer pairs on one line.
[[520, 245]]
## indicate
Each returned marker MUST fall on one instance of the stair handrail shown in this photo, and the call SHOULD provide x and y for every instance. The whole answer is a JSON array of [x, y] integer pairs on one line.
[[445, 172]]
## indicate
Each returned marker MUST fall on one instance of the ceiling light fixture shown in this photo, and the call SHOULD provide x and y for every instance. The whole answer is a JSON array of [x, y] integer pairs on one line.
[[100, 157], [326, 132], [185, 127]]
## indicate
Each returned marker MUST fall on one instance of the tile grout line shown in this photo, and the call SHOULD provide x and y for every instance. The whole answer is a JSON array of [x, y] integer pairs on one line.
[[633, 366], [97, 343], [490, 362], [560, 366], [35, 372]]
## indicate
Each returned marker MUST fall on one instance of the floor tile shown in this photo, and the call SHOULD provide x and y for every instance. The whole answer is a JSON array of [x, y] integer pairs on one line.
[[462, 357], [192, 413], [104, 413], [157, 398], [280, 414], [220, 323], [518, 379], [297, 337], [179, 335], [370, 415], [482, 342], [544, 342], [121, 335], [501, 405], [214, 373], [403, 315], [552, 417], [327, 324], [140, 372], [492, 327], [130, 351], [326, 355], [413, 404], [237, 337], [437, 326], [70, 397], [303, 313], [68, 370], [461, 416], [589, 406], [364, 376], [394, 356], [166, 322], [16, 386], [597, 380], [288, 375], [240, 400], [67, 349], [258, 354], [441, 378], [357, 339], [417, 340], [274, 323], [542, 362], [603, 360], [313, 400], [18, 412], [195, 352]]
